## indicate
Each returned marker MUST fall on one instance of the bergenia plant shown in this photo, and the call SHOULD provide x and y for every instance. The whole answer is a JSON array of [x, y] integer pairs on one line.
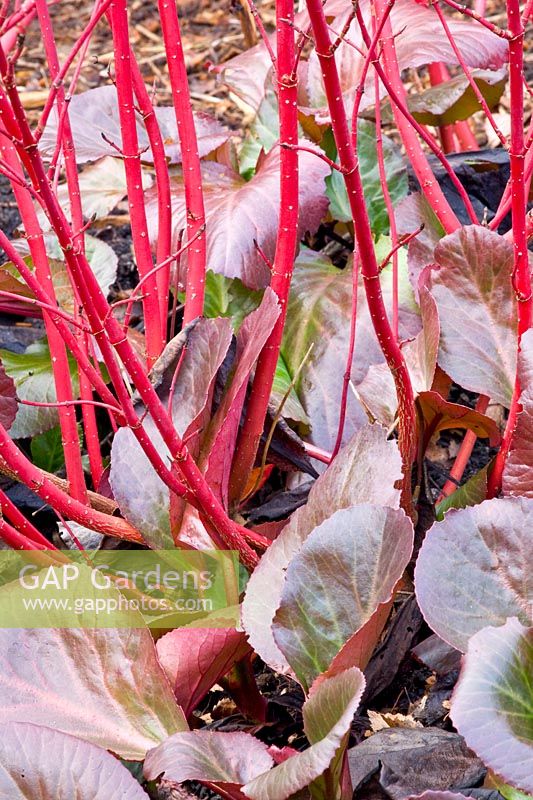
[[321, 293]]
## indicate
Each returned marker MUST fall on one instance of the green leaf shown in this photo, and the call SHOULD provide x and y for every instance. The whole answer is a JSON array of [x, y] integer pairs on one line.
[[292, 408], [47, 450], [263, 134], [396, 180], [492, 705], [472, 492], [328, 715], [34, 380], [229, 297]]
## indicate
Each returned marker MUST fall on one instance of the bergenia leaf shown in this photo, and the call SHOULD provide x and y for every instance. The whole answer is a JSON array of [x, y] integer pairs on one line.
[[141, 494], [470, 493], [518, 470], [441, 415], [34, 380], [429, 795], [102, 187], [423, 41], [194, 659], [239, 213], [94, 114], [412, 214], [219, 758], [365, 470], [368, 162], [492, 706], [347, 567], [477, 311], [377, 390], [104, 685], [455, 99], [39, 763], [8, 399], [219, 442], [475, 569], [328, 714], [320, 307]]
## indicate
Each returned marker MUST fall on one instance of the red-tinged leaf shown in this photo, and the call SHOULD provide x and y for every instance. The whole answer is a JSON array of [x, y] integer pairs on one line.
[[94, 114], [219, 443], [220, 758], [239, 213], [455, 99], [346, 568], [327, 714], [320, 308], [8, 399], [492, 706], [365, 470], [429, 795], [377, 391], [39, 763], [143, 498], [441, 415], [104, 685], [477, 310], [420, 42], [412, 213], [194, 659], [518, 471], [475, 568], [248, 75]]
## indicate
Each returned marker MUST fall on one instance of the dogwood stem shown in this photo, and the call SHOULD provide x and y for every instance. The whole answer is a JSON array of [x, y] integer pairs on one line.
[[286, 244], [521, 277], [365, 242], [132, 165], [192, 173]]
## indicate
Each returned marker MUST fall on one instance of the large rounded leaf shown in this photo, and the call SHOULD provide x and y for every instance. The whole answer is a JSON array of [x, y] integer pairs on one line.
[[209, 756], [345, 570], [518, 471], [143, 497], [327, 716], [368, 469], [104, 685], [241, 214], [320, 309], [492, 706], [38, 763], [477, 311], [475, 568], [94, 114]]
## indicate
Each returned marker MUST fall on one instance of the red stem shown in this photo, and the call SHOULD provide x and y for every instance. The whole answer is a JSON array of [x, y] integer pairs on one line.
[[408, 127], [22, 524], [192, 173], [369, 265], [463, 456], [132, 163], [285, 249], [58, 353], [521, 277], [162, 180]]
